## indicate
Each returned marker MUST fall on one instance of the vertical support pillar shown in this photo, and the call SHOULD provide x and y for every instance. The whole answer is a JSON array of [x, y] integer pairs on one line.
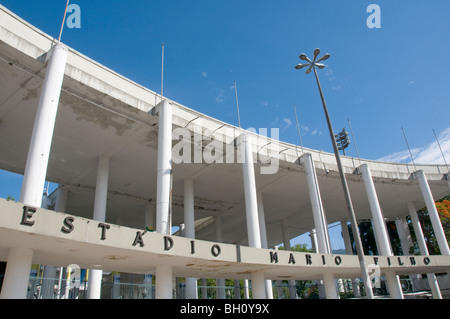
[[258, 286], [101, 189], [36, 167], [287, 247], [50, 271], [316, 205], [148, 282], [246, 289], [264, 244], [164, 282], [48, 283], [164, 186], [432, 281], [189, 231], [61, 200], [313, 237], [41, 139], [17, 273], [405, 241], [189, 217], [404, 235], [323, 242], [433, 213], [164, 170], [349, 251], [149, 221], [251, 208], [395, 289], [220, 282], [150, 216], [101, 196], [115, 290]]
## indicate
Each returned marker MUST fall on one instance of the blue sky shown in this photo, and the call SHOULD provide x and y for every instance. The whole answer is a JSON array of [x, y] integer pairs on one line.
[[381, 79]]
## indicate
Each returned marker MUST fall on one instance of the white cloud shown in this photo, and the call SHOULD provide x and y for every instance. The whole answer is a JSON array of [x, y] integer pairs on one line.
[[428, 154], [287, 122], [399, 157], [220, 95], [204, 74]]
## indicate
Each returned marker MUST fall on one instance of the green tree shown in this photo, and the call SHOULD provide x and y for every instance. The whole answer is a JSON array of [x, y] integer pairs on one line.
[[443, 208]]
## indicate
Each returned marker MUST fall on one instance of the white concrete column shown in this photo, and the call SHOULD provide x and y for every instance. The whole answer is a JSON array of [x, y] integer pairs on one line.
[[48, 282], [189, 231], [384, 246], [263, 231], [433, 213], [189, 217], [61, 200], [101, 189], [150, 216], [377, 216], [164, 170], [220, 282], [41, 139], [50, 271], [100, 201], [432, 281], [38, 154], [258, 286], [313, 237], [320, 222], [404, 235], [287, 247], [405, 240], [329, 283], [115, 290], [164, 282], [349, 251], [17, 273], [148, 282], [316, 205], [251, 206], [246, 289]]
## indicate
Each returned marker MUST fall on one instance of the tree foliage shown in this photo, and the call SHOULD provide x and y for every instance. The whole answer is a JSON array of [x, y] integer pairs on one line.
[[443, 208]]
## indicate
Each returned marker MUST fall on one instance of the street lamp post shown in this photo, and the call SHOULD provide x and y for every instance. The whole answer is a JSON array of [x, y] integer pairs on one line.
[[359, 249]]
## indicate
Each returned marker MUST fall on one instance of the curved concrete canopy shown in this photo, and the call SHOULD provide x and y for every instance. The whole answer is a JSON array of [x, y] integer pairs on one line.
[[101, 113]]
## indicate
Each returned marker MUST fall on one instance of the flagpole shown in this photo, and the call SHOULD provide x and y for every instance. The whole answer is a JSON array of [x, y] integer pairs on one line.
[[237, 104], [64, 19], [162, 70], [298, 128], [440, 149]]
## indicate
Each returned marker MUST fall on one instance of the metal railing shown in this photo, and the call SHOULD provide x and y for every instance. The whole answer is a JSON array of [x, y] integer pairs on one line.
[[56, 288]]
